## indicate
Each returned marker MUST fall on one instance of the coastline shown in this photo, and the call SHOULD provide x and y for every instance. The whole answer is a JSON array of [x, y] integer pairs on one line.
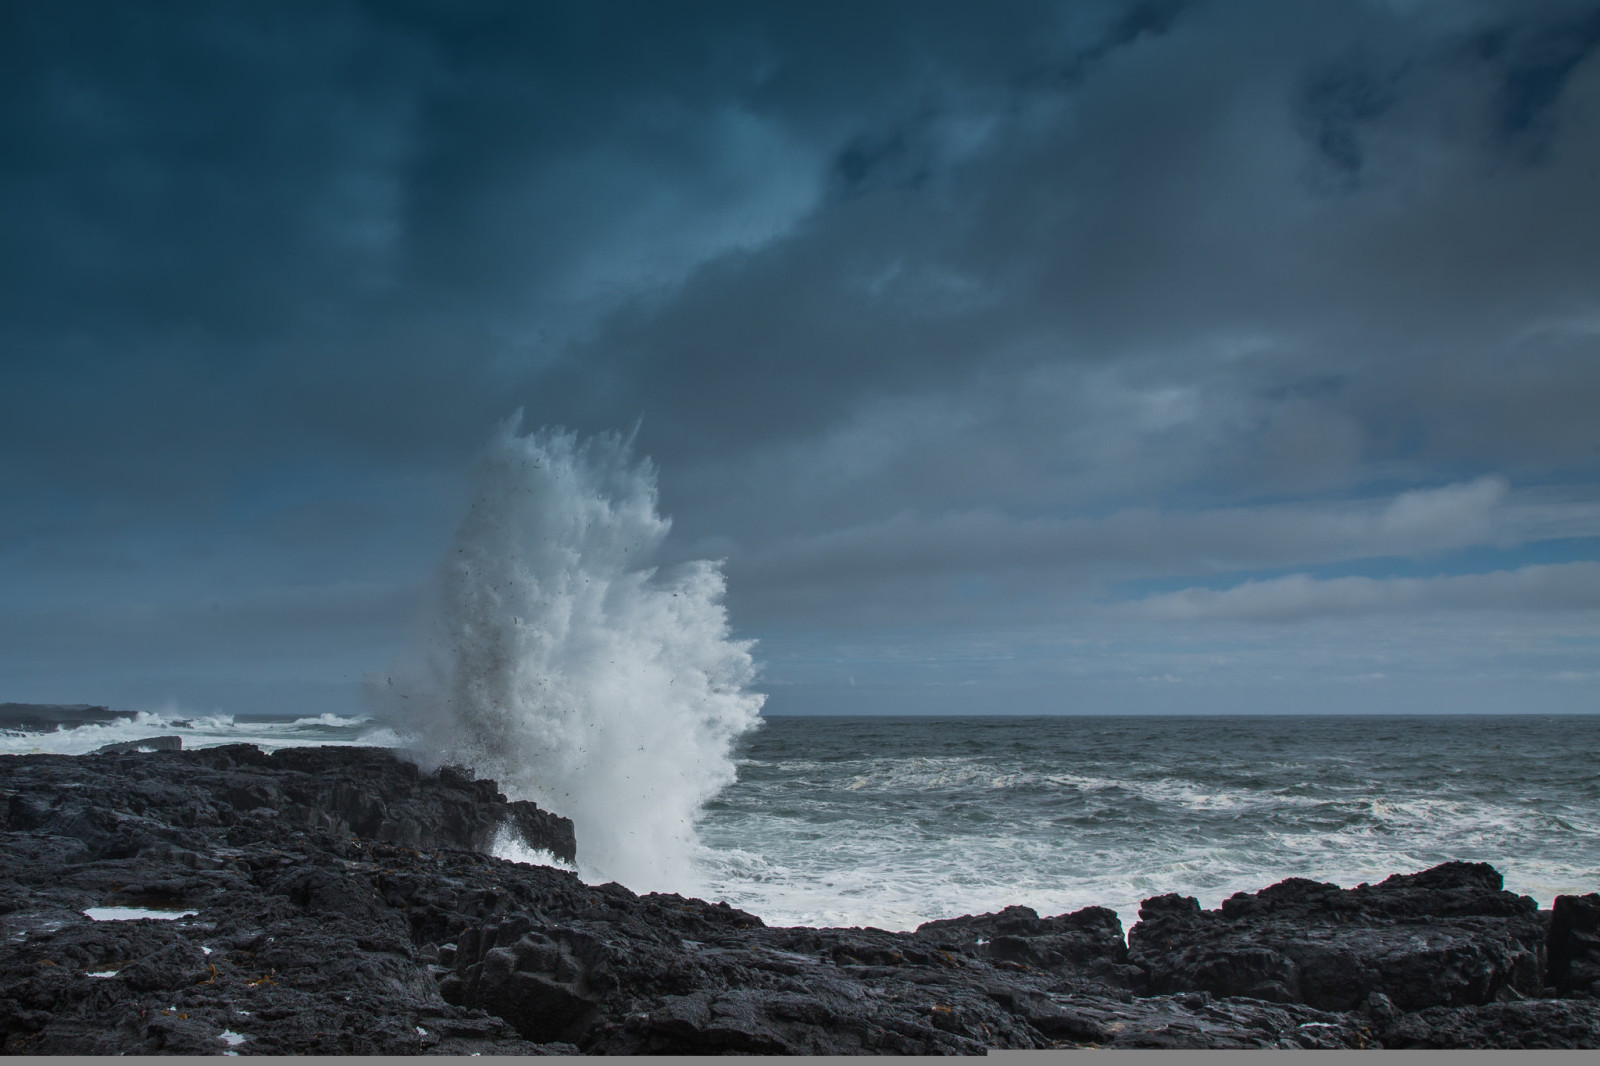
[[341, 903]]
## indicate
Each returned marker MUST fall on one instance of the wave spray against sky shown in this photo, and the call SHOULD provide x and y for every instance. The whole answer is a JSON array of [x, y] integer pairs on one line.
[[573, 671]]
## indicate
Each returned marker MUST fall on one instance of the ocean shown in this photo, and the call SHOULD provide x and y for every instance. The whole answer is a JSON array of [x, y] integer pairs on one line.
[[895, 821], [891, 822]]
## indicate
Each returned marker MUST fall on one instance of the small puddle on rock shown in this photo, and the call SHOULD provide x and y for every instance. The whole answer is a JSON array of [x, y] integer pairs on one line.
[[128, 914]]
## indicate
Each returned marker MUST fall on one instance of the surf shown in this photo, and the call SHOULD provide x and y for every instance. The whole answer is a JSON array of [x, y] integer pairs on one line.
[[564, 663]]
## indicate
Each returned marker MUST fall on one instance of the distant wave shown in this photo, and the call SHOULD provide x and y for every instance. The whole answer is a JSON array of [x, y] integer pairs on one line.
[[201, 731]]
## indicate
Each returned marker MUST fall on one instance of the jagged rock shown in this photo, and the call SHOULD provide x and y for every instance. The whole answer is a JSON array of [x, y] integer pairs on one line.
[[1575, 945], [130, 747], [1532, 1023], [365, 792], [1086, 942], [1449, 936], [1194, 1020]]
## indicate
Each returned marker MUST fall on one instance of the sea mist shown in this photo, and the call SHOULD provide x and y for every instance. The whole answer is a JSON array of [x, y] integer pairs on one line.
[[569, 668]]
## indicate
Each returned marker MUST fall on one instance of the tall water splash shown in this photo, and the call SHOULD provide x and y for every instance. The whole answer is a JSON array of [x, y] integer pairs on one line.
[[568, 668]]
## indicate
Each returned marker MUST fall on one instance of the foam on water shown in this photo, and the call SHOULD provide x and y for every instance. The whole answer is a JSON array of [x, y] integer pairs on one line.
[[893, 823], [511, 847], [896, 822], [202, 731], [570, 669]]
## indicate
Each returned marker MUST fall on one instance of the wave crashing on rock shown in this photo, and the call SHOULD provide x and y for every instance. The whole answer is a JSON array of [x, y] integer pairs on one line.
[[563, 663]]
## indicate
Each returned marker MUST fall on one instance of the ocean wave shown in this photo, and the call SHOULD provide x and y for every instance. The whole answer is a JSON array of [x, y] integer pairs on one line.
[[565, 664], [902, 835], [331, 721], [198, 730]]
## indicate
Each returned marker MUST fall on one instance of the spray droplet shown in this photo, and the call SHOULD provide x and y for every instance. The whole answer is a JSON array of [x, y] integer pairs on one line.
[[557, 646]]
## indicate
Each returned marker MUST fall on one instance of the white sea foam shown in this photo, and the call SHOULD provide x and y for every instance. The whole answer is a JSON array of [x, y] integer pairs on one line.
[[511, 847], [567, 667], [199, 731], [332, 721], [892, 830]]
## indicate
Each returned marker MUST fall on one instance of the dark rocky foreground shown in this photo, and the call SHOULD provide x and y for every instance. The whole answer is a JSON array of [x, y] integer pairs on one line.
[[342, 903]]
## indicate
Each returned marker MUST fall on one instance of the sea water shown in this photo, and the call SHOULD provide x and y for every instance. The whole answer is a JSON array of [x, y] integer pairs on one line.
[[202, 730], [895, 821]]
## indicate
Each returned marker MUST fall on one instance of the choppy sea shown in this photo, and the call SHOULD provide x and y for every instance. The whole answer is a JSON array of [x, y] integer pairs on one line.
[[896, 821]]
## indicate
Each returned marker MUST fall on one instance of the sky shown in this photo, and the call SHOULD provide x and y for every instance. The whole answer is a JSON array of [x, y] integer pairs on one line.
[[1088, 357]]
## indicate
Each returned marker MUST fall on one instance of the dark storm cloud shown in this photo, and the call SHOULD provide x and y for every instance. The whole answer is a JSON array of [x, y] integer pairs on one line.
[[920, 304], [401, 209], [1537, 61], [1167, 215], [390, 216]]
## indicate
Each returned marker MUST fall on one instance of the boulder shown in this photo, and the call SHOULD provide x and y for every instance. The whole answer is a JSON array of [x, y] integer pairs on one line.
[[1574, 946], [130, 747], [1085, 943], [1446, 937]]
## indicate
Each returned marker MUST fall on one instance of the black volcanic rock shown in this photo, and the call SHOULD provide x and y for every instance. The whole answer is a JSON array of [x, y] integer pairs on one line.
[[1086, 942], [115, 806], [1575, 945], [341, 903], [1445, 937], [129, 747], [1532, 1023]]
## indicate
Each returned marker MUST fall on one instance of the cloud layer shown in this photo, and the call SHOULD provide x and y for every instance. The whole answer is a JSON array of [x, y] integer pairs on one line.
[[1067, 318], [1567, 587]]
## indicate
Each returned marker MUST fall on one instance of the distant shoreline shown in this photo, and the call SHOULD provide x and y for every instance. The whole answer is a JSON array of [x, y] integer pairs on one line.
[[43, 716]]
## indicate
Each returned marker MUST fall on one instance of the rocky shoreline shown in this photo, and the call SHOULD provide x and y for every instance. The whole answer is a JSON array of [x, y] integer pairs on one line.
[[340, 901]]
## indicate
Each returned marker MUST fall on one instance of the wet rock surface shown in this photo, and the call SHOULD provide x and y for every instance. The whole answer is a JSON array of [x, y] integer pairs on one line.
[[342, 903], [1575, 945], [129, 747], [1446, 937]]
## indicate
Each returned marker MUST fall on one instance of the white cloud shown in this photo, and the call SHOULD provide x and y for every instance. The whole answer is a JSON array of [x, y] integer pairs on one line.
[[1455, 514], [1152, 541], [1563, 587]]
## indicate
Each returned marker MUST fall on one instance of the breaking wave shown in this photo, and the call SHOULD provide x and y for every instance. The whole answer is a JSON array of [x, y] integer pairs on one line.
[[197, 730], [565, 665]]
